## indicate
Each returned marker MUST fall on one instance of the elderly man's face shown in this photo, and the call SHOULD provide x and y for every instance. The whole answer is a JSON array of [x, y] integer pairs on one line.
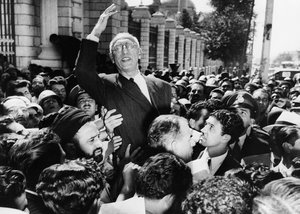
[[126, 54]]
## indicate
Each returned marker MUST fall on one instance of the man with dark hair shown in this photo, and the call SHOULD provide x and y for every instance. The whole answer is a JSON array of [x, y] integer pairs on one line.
[[199, 112], [12, 188], [71, 187], [80, 136], [82, 100], [254, 140], [197, 116], [19, 88], [32, 155], [263, 99], [222, 129], [58, 84], [161, 184], [196, 92], [137, 97]]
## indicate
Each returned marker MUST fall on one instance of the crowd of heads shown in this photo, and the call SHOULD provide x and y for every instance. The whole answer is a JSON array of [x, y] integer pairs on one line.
[[55, 145]]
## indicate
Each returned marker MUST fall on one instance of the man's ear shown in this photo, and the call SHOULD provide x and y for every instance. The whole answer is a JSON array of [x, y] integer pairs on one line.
[[226, 138], [111, 56], [287, 147], [192, 123]]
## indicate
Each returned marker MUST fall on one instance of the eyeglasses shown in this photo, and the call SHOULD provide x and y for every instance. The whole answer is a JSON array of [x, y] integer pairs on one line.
[[127, 45]]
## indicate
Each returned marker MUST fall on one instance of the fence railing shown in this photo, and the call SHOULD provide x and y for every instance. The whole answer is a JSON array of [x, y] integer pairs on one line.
[[7, 30]]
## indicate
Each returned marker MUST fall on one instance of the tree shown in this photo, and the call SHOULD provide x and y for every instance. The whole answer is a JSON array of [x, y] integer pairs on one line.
[[185, 19], [226, 30], [282, 57]]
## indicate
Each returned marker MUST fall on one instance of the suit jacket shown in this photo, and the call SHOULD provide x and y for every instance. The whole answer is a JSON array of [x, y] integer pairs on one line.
[[36, 204], [229, 163], [256, 143], [116, 92]]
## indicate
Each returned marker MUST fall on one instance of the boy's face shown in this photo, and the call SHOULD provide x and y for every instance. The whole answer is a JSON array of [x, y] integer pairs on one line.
[[212, 133]]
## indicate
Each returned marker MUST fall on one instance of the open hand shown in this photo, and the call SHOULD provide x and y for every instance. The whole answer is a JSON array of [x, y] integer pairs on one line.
[[102, 21]]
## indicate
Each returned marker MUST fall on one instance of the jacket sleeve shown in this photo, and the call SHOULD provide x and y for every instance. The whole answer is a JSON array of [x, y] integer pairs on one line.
[[86, 71]]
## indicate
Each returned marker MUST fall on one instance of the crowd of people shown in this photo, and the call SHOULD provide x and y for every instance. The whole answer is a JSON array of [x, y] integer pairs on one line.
[[153, 142]]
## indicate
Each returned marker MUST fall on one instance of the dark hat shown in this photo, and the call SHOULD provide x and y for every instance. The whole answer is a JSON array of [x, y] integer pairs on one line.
[[218, 90], [74, 94], [285, 82], [241, 99], [68, 121], [58, 80]]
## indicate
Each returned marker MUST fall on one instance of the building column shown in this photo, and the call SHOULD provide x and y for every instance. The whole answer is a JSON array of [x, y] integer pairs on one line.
[[180, 33], [49, 25], [198, 49], [187, 58], [77, 18], [171, 26], [142, 13], [158, 19], [202, 54], [124, 21], [193, 49]]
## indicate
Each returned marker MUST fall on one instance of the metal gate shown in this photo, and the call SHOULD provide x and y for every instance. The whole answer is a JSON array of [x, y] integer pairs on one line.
[[166, 50], [134, 28], [153, 46], [7, 31]]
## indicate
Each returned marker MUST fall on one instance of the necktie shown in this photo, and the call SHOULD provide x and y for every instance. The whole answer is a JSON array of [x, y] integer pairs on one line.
[[136, 85]]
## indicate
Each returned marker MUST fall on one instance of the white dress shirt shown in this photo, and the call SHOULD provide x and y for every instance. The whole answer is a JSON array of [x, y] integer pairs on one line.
[[141, 82]]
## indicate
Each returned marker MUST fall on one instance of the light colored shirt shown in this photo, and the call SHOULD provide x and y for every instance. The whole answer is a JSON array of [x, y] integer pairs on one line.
[[286, 172], [134, 205], [141, 82], [205, 166]]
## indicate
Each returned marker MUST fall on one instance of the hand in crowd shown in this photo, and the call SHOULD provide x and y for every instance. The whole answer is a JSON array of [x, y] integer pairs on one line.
[[111, 121], [113, 145]]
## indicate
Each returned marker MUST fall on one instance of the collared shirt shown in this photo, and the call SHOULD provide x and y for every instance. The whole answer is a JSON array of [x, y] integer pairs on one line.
[[201, 168], [286, 172], [130, 206], [141, 82]]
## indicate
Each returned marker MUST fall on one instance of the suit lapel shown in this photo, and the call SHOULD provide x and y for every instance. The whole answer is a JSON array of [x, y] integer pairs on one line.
[[133, 91], [153, 92], [229, 163]]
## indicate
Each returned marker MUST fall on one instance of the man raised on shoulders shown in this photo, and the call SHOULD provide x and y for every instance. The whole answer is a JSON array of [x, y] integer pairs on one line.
[[138, 98]]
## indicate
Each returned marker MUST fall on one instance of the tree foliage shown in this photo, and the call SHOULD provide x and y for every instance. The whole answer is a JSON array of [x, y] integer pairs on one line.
[[226, 30], [283, 57], [185, 19]]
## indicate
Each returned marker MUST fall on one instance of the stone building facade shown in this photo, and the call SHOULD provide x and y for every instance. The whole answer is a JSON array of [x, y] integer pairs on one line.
[[162, 40]]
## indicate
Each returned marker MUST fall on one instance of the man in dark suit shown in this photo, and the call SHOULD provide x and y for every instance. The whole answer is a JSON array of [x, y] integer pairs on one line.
[[222, 128], [254, 142], [138, 98]]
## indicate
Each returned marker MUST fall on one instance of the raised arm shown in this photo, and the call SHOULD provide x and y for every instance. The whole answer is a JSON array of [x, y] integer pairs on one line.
[[85, 70]]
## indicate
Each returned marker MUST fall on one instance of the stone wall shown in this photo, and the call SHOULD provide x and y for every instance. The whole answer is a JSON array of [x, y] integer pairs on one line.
[[27, 30], [78, 17]]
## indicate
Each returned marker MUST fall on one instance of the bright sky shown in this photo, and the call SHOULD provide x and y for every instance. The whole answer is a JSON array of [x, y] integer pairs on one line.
[[286, 29]]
